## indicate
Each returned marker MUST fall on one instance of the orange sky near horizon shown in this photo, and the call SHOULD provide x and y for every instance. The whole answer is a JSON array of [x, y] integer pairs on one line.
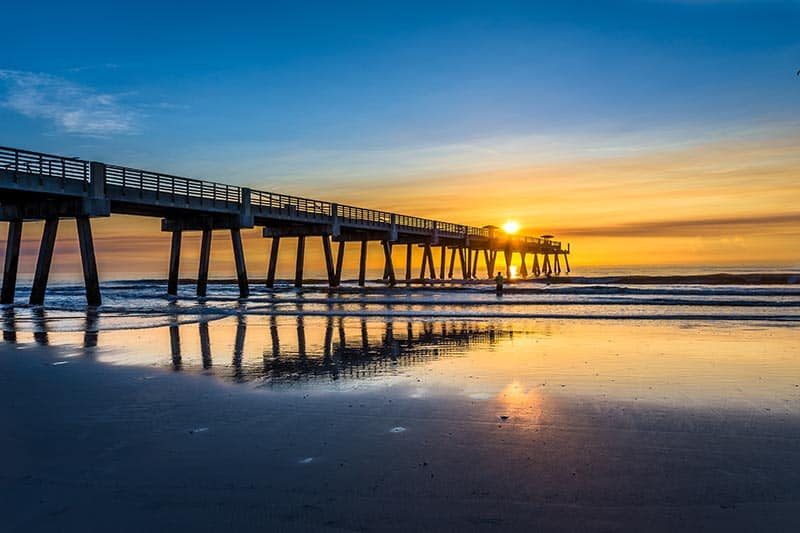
[[728, 203]]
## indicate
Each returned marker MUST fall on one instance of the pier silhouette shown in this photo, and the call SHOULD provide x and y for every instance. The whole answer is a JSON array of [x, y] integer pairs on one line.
[[38, 186]]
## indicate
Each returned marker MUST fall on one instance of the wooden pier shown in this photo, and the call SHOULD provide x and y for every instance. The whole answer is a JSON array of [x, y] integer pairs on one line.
[[38, 186]]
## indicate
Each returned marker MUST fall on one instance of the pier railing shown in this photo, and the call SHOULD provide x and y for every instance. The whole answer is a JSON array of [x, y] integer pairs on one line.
[[306, 206], [24, 161], [136, 182]]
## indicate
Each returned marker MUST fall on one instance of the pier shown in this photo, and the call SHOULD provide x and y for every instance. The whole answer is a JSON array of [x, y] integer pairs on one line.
[[39, 186]]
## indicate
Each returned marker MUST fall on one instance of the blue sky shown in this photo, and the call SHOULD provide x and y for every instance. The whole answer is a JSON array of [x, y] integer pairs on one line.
[[641, 131], [317, 91]]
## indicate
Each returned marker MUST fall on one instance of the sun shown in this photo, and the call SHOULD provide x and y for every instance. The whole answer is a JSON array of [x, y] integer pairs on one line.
[[511, 227]]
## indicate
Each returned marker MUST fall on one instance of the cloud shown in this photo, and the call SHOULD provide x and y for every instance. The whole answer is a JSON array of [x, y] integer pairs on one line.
[[73, 108], [690, 227]]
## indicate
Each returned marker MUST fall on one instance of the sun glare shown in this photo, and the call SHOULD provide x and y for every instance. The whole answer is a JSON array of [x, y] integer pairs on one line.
[[511, 227]]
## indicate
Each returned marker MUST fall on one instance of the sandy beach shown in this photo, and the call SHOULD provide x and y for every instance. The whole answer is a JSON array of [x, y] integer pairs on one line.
[[96, 442]]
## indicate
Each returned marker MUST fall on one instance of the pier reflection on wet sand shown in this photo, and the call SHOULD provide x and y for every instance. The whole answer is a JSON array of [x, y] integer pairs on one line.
[[675, 363], [346, 347]]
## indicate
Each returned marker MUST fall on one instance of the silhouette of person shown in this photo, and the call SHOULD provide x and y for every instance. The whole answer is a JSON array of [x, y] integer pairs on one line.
[[498, 279]]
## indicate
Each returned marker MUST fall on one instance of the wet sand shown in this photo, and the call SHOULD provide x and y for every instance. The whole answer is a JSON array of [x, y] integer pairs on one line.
[[94, 446]]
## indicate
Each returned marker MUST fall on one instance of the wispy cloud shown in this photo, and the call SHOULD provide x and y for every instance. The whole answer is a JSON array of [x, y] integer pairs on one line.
[[73, 108], [102, 66], [692, 227]]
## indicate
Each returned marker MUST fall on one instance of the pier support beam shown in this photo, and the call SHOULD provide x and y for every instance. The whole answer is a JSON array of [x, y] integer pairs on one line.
[[492, 262], [241, 266], [174, 263], [409, 251], [452, 263], [90, 277], [487, 262], [427, 263], [11, 261], [273, 262], [507, 254], [389, 268], [536, 270], [462, 257], [474, 269], [362, 265], [205, 257], [442, 261], [386, 265], [523, 270], [337, 278], [326, 248], [429, 256], [298, 268], [557, 264], [44, 261], [566, 263]]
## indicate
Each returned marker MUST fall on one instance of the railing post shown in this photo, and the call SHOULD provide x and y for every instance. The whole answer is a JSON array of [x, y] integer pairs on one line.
[[336, 228], [96, 203], [97, 184], [246, 209], [393, 228], [435, 238]]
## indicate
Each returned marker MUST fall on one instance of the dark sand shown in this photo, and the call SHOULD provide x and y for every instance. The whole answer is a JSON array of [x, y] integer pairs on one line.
[[94, 447]]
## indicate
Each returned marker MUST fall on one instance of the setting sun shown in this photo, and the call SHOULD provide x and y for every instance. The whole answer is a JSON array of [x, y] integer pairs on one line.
[[511, 227]]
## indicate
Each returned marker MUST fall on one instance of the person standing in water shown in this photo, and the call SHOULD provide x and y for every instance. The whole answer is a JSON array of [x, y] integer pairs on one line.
[[498, 279]]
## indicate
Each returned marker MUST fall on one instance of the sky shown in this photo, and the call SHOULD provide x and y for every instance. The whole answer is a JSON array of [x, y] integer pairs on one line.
[[647, 134]]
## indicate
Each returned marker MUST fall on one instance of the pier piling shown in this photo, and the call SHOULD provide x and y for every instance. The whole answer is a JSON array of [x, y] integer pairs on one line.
[[273, 262], [11, 264], [44, 261], [205, 257], [241, 267], [90, 276], [174, 263], [362, 265], [299, 261]]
